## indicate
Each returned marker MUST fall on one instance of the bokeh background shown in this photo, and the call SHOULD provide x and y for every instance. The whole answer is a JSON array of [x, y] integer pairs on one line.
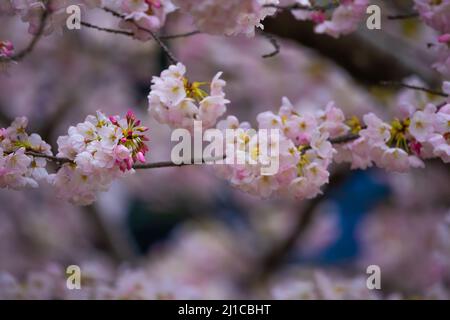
[[184, 233]]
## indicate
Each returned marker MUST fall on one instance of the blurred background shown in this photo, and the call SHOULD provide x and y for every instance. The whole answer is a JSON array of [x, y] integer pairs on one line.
[[184, 233]]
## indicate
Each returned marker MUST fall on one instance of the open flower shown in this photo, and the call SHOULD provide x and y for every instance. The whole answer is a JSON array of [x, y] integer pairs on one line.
[[177, 102], [102, 149]]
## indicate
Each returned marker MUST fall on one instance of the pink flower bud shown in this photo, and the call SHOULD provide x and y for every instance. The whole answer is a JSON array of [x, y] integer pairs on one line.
[[445, 38], [130, 115], [129, 163], [113, 120], [154, 3], [416, 147], [141, 157], [318, 17]]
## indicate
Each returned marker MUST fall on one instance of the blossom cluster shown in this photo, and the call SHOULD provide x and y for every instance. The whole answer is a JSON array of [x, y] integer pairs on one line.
[[434, 13], [19, 169], [32, 12], [6, 53], [402, 144], [305, 152], [176, 101], [305, 144], [343, 20], [230, 17], [442, 49], [6, 49], [93, 154], [101, 149], [141, 15]]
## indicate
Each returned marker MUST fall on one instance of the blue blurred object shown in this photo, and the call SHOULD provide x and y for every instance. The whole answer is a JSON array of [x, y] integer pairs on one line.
[[354, 199]]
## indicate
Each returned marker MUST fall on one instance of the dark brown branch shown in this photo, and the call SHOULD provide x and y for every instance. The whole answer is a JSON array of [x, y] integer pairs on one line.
[[273, 41], [165, 164], [298, 6], [130, 34], [345, 138], [404, 16], [114, 31], [181, 35], [414, 87], [369, 57], [51, 158], [154, 165], [275, 256]]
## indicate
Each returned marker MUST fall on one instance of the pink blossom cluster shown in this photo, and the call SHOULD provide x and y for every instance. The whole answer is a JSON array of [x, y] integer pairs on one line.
[[18, 169], [435, 13], [32, 11], [345, 18], [305, 144], [305, 152], [442, 49], [403, 143], [176, 101], [230, 17], [102, 149], [6, 49], [322, 285], [141, 15]]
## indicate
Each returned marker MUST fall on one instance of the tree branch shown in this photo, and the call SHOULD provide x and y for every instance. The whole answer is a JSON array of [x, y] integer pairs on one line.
[[403, 16], [130, 34], [275, 256], [155, 37], [115, 31], [298, 6], [29, 48], [369, 57], [414, 87], [273, 41]]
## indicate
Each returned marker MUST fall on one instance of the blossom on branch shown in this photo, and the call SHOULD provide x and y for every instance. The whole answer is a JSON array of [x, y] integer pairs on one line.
[[141, 15], [435, 13], [101, 149], [230, 17], [178, 102], [17, 168], [343, 20]]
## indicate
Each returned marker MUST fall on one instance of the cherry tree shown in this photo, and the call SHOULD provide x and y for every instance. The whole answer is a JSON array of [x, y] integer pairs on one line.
[[398, 122]]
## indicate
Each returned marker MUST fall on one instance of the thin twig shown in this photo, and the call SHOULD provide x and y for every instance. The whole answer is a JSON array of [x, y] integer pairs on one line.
[[115, 31], [414, 87], [155, 37], [298, 6], [48, 157], [274, 42], [154, 165], [404, 16], [29, 48], [274, 257], [130, 34], [165, 164], [344, 139], [181, 35]]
